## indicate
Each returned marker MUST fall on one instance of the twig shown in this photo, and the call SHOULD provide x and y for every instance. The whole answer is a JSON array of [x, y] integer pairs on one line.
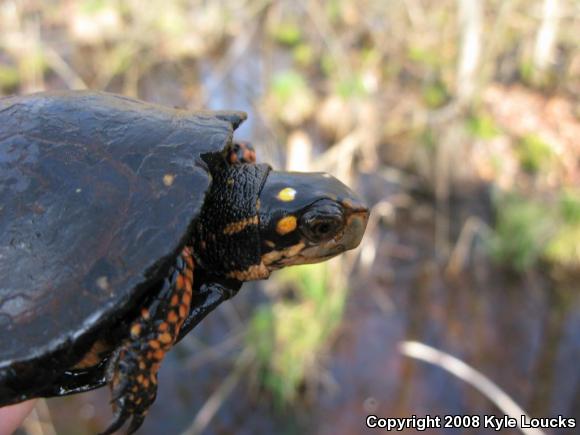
[[212, 353], [342, 150], [368, 250], [328, 36], [473, 226], [546, 37], [235, 52], [216, 400], [471, 23], [468, 374]]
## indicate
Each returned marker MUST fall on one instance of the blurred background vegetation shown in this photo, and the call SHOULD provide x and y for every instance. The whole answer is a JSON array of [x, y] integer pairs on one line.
[[458, 120]]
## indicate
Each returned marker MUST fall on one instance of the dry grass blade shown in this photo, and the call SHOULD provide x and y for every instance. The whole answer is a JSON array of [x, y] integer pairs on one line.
[[39, 422], [468, 374], [206, 354], [63, 69]]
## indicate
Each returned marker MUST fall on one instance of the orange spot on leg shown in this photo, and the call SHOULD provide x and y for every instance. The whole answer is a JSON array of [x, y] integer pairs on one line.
[[180, 283], [187, 298], [172, 317], [165, 338], [158, 355], [136, 330]]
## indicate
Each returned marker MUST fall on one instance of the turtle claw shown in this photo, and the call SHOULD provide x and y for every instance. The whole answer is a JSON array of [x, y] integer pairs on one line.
[[120, 419], [136, 423], [132, 389]]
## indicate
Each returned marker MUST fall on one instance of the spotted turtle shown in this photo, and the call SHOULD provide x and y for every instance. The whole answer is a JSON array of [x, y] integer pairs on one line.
[[123, 224]]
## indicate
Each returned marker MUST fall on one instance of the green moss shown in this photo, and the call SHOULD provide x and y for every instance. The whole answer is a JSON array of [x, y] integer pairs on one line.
[[526, 69], [287, 33], [333, 10], [303, 54], [570, 207], [351, 87], [482, 126], [93, 6], [9, 78], [564, 248], [535, 155], [420, 55], [290, 99], [288, 335], [327, 64], [522, 232], [528, 230], [435, 95], [287, 84]]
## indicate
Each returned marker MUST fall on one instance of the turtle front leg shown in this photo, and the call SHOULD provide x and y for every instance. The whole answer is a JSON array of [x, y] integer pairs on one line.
[[211, 293], [132, 370]]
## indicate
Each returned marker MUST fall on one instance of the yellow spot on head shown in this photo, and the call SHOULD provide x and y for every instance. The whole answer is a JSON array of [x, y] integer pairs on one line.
[[286, 225], [168, 179], [287, 194]]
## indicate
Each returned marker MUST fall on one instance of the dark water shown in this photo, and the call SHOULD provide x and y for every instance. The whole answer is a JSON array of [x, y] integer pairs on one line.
[[522, 332]]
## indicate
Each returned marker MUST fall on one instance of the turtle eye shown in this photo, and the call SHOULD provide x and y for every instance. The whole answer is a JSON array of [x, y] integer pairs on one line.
[[318, 228], [321, 229]]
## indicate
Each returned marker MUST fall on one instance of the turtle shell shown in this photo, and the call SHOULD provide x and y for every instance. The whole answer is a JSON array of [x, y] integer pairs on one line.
[[97, 195]]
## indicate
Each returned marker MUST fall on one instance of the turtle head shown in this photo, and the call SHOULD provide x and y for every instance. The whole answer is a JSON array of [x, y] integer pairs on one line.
[[307, 218], [255, 220]]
